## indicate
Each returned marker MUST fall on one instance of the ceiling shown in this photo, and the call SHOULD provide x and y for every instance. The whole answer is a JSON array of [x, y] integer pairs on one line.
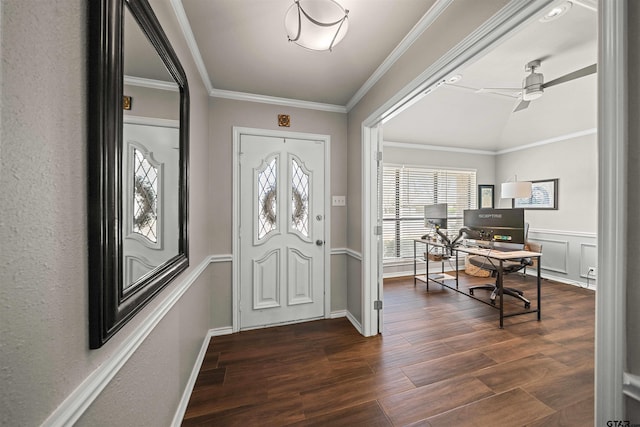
[[458, 116], [244, 47], [241, 48]]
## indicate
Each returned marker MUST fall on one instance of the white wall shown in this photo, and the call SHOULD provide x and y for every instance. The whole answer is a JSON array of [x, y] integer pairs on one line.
[[568, 234], [574, 163]]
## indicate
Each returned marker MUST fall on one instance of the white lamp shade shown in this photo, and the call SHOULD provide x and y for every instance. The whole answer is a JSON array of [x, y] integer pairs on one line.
[[302, 31], [516, 190]]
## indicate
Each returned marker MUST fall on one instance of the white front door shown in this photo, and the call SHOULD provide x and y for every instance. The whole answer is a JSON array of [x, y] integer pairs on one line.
[[281, 230]]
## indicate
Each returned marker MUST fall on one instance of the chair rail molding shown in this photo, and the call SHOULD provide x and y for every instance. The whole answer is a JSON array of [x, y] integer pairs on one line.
[[76, 403]]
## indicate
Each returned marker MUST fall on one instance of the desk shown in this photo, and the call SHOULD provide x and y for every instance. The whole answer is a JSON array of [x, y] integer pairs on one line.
[[493, 254]]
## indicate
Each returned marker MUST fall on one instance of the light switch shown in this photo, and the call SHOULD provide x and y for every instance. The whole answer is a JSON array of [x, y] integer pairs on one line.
[[339, 201]]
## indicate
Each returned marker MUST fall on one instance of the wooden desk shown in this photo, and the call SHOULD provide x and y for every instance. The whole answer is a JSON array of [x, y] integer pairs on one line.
[[493, 254]]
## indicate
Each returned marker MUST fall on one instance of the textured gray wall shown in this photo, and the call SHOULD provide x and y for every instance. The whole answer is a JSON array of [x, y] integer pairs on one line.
[[44, 354]]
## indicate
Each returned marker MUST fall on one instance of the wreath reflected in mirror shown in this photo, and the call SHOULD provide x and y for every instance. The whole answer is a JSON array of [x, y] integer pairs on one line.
[[145, 197], [269, 206]]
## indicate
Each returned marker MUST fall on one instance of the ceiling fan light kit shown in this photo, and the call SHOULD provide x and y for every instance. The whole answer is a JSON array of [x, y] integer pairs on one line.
[[316, 24], [532, 85]]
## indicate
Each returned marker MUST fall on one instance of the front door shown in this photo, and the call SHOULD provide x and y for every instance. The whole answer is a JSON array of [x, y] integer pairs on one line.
[[281, 230]]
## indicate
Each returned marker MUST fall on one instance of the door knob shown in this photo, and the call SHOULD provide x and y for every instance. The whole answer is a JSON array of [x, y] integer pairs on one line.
[[319, 242]]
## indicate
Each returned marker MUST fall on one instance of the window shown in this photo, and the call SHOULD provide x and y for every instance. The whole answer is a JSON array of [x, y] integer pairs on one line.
[[406, 190]]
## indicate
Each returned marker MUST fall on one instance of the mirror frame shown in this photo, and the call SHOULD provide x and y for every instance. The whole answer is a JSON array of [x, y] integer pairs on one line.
[[110, 307]]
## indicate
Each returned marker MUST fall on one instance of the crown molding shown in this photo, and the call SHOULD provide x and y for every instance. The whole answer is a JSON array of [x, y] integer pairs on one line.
[[150, 83], [183, 21], [150, 121], [560, 138], [296, 103], [417, 146], [425, 22], [592, 5]]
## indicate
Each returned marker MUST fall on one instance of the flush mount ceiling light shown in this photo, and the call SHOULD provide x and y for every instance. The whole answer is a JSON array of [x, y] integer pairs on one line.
[[316, 24], [454, 79], [556, 12]]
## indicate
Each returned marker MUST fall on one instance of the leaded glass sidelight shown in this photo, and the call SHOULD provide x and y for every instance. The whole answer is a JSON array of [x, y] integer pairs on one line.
[[145, 197], [267, 199], [299, 199]]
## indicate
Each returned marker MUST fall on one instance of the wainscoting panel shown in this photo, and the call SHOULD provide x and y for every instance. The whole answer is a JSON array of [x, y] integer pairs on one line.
[[556, 254], [588, 258], [567, 255]]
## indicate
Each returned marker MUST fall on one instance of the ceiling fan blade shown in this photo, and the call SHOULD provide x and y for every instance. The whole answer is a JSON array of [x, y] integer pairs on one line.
[[499, 89], [521, 105], [572, 76], [511, 92]]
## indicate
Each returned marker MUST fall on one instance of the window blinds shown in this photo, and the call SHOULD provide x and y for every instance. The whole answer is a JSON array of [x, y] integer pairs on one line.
[[406, 190]]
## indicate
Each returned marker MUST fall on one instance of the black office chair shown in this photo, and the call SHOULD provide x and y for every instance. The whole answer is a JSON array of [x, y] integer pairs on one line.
[[507, 268]]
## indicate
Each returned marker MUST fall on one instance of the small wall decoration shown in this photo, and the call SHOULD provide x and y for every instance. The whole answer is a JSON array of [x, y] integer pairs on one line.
[[485, 196], [126, 102], [544, 195], [284, 120]]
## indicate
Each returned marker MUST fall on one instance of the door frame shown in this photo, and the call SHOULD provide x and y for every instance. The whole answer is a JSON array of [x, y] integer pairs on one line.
[[498, 28], [613, 121], [238, 131]]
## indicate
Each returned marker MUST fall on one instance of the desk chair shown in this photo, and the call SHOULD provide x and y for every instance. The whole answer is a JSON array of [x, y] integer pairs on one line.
[[507, 268]]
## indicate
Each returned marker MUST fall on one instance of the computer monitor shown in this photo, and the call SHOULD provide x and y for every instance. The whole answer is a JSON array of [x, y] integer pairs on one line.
[[436, 216], [497, 225]]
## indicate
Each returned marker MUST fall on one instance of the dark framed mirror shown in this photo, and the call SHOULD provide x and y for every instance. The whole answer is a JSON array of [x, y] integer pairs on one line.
[[137, 163]]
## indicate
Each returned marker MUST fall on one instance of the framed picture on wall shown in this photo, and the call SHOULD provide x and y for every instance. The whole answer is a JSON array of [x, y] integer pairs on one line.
[[485, 196], [544, 195]]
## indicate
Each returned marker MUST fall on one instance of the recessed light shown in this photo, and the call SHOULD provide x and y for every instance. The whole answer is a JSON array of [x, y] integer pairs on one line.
[[454, 79], [556, 12]]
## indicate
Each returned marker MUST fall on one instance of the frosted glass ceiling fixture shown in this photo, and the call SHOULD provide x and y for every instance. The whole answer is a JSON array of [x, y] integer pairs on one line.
[[316, 24]]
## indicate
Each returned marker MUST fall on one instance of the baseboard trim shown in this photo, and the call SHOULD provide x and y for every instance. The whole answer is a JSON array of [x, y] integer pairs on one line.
[[217, 332], [337, 314], [590, 286], [76, 403], [186, 395], [354, 322]]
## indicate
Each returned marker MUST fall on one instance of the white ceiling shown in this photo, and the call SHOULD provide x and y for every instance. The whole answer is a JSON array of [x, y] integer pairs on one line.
[[244, 47], [457, 116], [241, 47]]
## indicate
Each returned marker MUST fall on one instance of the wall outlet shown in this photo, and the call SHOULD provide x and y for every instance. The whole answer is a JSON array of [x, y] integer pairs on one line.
[[338, 200], [592, 272]]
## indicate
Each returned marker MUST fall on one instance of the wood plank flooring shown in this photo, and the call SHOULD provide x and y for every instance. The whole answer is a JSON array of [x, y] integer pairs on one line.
[[441, 361]]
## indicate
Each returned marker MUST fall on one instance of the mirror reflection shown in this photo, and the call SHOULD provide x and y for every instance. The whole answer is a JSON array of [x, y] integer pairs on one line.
[[150, 158]]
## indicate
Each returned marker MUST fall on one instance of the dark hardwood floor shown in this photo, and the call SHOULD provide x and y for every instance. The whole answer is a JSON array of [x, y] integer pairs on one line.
[[442, 361]]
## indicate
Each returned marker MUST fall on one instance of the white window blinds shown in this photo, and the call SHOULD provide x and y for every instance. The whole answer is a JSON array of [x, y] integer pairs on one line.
[[406, 190]]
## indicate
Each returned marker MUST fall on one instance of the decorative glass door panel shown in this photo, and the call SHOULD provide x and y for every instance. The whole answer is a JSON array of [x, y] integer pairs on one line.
[[267, 198], [300, 198]]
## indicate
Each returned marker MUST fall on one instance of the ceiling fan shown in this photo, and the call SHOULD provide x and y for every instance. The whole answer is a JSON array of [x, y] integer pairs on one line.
[[533, 85]]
